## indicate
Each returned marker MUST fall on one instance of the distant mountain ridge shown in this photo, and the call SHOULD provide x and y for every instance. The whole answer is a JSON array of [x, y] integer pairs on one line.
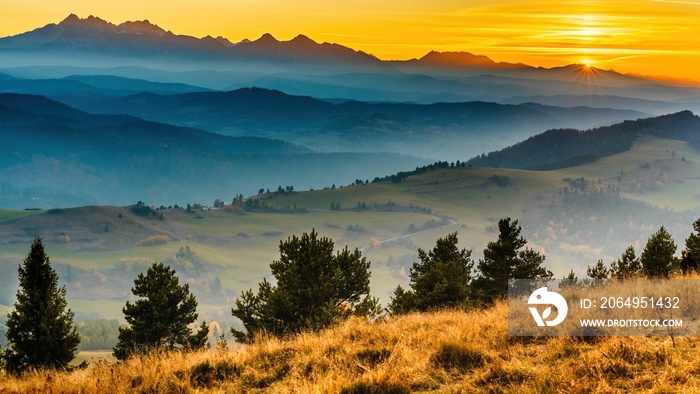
[[89, 87], [302, 66], [94, 35], [460, 60], [437, 131], [93, 38]]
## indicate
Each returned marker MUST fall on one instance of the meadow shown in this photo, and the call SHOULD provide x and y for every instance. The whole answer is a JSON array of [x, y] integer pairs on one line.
[[234, 248], [439, 352]]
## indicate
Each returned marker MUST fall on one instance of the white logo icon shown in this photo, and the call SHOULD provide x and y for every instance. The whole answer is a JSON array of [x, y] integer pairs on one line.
[[543, 297]]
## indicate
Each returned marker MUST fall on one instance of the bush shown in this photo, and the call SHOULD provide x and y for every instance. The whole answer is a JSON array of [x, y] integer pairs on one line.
[[141, 210], [207, 375], [154, 240]]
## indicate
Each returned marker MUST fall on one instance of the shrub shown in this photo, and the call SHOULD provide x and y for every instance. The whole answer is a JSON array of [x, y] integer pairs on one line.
[[207, 375], [153, 240]]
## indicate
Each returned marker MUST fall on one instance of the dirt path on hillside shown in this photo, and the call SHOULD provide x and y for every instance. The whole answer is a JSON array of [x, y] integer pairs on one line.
[[451, 221]]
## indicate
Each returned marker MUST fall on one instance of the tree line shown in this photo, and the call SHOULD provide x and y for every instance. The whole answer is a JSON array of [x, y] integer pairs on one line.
[[657, 260], [315, 287]]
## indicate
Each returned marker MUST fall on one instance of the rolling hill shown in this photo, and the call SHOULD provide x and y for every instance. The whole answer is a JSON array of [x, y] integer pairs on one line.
[[563, 148], [574, 215], [444, 131], [56, 156]]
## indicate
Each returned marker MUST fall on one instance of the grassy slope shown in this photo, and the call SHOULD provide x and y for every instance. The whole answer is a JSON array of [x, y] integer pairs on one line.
[[451, 352], [240, 247], [6, 214]]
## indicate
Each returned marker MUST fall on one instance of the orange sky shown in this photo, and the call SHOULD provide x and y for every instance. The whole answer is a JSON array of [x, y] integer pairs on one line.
[[653, 37]]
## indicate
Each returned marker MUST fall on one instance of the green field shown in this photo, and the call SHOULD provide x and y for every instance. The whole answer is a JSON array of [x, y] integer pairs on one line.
[[7, 215], [236, 248]]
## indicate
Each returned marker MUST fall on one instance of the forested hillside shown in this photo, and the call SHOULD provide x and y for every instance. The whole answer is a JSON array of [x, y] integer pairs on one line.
[[561, 148]]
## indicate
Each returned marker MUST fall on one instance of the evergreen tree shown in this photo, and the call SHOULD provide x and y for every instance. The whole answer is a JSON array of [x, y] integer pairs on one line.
[[160, 318], [692, 243], [40, 330], [598, 273], [440, 279], [628, 266], [658, 259], [506, 259], [570, 280], [315, 287]]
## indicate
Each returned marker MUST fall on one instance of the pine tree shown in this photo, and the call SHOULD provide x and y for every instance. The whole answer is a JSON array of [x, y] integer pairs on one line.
[[315, 287], [440, 279], [658, 259], [506, 259], [692, 243], [160, 318], [598, 273], [628, 266], [570, 280], [40, 330]]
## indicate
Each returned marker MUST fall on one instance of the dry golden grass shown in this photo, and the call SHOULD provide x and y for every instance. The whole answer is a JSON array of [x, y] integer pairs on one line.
[[446, 352]]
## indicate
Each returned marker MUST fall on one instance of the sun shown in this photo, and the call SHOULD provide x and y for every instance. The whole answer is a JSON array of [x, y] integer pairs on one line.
[[587, 63], [587, 74]]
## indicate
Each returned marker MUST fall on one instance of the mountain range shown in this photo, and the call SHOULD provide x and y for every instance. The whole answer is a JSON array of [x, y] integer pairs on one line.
[[302, 66], [439, 131], [444, 131], [143, 42], [146, 41]]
